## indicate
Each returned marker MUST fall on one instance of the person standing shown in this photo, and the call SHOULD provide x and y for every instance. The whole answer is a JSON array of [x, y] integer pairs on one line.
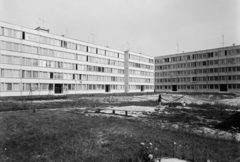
[[160, 99]]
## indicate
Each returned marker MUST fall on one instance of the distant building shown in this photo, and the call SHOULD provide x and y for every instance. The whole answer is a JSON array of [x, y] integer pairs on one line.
[[36, 62], [213, 70]]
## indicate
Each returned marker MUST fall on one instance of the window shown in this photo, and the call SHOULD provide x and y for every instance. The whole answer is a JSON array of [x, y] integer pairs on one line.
[[71, 46], [31, 37], [57, 42], [16, 86], [81, 48], [35, 74], [28, 74], [6, 73], [43, 63], [44, 86], [16, 60], [8, 86], [16, 73], [35, 62], [28, 61], [12, 33], [92, 50], [29, 49], [44, 75], [44, 40], [28, 86], [64, 44], [51, 75], [101, 52], [6, 59], [34, 86]]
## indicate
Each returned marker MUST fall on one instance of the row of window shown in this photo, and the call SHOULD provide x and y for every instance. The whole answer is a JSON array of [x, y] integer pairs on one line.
[[142, 66], [55, 53], [199, 56], [142, 73], [137, 87], [7, 59], [140, 80], [13, 73], [200, 86], [199, 71], [46, 86], [200, 63], [139, 58], [199, 79], [55, 42]]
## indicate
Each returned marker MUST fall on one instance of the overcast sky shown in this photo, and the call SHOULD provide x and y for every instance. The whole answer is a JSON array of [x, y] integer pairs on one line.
[[151, 27]]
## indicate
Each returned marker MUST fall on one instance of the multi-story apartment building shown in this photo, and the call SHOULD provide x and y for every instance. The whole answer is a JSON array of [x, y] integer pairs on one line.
[[139, 72], [213, 70], [37, 62]]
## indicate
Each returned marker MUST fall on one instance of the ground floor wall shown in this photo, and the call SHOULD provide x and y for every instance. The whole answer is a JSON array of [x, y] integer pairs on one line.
[[233, 87], [141, 87], [57, 88], [13, 87]]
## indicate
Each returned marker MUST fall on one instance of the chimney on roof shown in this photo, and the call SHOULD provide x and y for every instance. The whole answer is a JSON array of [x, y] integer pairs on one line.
[[41, 29], [233, 44]]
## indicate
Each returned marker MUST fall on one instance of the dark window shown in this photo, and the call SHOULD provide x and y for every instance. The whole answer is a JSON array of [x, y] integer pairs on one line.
[[23, 35], [69, 86], [229, 69], [230, 86], [234, 86], [51, 75]]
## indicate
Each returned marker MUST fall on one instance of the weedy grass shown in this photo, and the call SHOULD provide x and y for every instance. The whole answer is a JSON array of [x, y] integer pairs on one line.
[[66, 136]]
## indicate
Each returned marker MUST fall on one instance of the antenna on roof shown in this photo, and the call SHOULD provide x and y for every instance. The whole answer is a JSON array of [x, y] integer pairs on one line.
[[93, 37], [128, 46], [66, 32], [43, 21], [177, 48], [223, 40]]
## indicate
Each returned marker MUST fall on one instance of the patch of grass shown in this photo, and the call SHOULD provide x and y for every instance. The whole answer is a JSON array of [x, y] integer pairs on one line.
[[62, 136]]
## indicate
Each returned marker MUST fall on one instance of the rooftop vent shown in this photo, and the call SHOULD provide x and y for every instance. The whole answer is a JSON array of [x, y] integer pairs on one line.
[[41, 29]]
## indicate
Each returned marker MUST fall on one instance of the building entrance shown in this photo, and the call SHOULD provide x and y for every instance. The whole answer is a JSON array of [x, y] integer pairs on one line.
[[223, 87], [107, 88], [174, 87], [58, 88], [142, 88]]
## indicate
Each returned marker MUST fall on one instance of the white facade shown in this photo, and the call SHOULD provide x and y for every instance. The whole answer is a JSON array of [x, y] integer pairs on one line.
[[139, 72], [35, 62], [39, 63], [213, 70]]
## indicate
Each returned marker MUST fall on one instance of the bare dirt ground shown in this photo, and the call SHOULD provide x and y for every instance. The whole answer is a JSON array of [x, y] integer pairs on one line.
[[187, 98], [201, 123]]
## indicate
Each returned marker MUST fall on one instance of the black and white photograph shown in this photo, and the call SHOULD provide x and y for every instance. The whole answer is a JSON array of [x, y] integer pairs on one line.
[[119, 80]]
